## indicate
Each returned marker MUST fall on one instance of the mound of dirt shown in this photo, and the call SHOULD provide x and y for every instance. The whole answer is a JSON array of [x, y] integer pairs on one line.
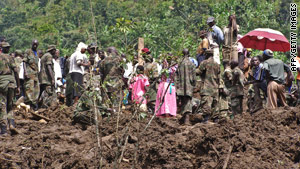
[[267, 139]]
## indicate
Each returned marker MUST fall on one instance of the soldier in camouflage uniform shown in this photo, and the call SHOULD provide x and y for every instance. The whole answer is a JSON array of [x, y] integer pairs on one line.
[[70, 83], [237, 89], [225, 84], [47, 94], [151, 71], [209, 71], [185, 81], [9, 81], [31, 80], [111, 75]]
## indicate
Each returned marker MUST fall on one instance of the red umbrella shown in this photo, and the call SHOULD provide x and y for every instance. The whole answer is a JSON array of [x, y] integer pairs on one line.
[[265, 38]]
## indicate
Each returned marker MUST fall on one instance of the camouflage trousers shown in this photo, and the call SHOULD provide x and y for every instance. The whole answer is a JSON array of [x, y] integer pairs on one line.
[[208, 106], [237, 105], [186, 104], [6, 104], [69, 90], [48, 96], [223, 106], [32, 90]]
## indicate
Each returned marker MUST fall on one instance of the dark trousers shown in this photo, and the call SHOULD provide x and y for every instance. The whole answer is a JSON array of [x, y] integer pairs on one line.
[[186, 104], [237, 105], [78, 83]]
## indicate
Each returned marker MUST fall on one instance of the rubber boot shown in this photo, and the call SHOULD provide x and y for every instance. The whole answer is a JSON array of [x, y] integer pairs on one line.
[[3, 129], [35, 107], [187, 119], [205, 119], [12, 126]]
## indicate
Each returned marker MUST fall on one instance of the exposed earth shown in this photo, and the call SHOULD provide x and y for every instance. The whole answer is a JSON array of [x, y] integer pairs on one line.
[[267, 139]]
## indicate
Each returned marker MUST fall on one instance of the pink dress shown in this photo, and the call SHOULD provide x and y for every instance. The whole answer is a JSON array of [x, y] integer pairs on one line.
[[169, 105], [138, 88]]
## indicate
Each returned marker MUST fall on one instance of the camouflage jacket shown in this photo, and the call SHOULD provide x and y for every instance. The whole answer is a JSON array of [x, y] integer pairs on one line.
[[18, 60], [209, 71], [227, 77], [111, 67], [7, 65], [31, 63], [237, 88], [185, 78], [44, 74]]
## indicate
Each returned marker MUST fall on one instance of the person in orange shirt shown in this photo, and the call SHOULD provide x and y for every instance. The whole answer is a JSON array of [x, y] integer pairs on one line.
[[202, 47], [298, 76]]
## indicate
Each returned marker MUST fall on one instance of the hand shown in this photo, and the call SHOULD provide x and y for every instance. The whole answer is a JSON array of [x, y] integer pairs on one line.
[[53, 82], [18, 91]]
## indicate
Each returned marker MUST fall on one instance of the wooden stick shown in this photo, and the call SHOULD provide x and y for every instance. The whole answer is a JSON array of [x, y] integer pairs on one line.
[[141, 45], [40, 116], [16, 161], [228, 157], [124, 147], [214, 148]]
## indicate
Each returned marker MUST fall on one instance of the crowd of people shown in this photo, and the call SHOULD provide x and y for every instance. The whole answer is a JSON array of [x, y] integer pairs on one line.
[[164, 85]]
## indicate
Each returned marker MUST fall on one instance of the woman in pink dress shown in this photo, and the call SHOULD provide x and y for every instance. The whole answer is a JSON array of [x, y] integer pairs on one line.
[[138, 86], [169, 106]]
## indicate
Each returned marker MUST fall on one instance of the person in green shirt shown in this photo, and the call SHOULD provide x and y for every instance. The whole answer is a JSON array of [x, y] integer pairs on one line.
[[275, 69]]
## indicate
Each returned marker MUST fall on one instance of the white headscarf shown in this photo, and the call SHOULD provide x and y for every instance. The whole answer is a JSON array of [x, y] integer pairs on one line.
[[80, 46]]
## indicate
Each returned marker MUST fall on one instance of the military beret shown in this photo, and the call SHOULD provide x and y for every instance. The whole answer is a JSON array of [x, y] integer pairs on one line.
[[18, 52]]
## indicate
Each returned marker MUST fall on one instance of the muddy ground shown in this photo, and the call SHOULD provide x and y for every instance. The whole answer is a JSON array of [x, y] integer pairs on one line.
[[267, 139]]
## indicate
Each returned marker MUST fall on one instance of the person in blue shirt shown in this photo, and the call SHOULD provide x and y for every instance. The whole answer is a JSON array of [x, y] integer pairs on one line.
[[194, 61], [259, 83], [215, 31], [215, 37]]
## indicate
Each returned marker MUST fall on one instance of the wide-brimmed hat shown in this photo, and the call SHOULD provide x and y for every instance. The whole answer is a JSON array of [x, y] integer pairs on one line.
[[210, 19], [51, 47], [5, 44]]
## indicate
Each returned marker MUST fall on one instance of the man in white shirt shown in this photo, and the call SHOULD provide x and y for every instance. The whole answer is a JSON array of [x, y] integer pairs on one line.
[[57, 74], [77, 64]]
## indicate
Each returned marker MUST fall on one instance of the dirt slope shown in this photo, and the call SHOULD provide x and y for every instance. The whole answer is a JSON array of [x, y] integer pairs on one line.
[[267, 139]]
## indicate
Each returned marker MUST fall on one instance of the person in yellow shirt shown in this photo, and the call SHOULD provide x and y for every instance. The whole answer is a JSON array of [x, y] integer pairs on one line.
[[204, 45]]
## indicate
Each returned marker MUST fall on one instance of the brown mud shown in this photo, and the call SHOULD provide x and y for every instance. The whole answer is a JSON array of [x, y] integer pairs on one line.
[[267, 139]]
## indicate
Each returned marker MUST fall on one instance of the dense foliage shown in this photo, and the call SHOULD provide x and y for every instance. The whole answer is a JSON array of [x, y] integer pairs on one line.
[[166, 25]]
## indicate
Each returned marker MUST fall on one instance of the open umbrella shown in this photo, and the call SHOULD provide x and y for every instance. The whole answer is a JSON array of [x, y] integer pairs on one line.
[[265, 38]]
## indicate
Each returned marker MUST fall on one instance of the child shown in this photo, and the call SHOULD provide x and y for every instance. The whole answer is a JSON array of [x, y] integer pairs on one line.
[[138, 85]]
